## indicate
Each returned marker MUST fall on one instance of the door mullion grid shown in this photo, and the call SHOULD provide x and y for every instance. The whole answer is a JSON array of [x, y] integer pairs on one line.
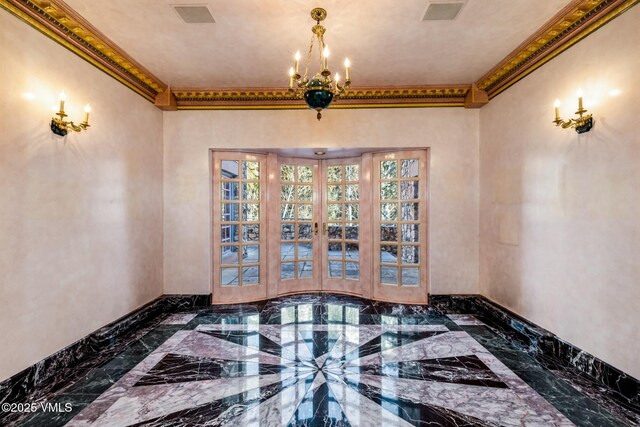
[[400, 223], [343, 221], [236, 203], [240, 223]]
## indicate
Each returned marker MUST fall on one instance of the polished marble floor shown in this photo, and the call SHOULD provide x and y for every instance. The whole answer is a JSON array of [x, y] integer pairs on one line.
[[324, 361]]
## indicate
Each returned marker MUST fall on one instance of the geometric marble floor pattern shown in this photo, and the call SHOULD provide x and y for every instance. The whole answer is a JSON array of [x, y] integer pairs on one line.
[[320, 361], [343, 375]]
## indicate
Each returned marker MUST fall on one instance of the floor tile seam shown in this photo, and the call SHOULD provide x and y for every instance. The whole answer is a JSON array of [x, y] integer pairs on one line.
[[506, 362], [295, 384], [328, 382], [122, 343], [544, 394], [506, 374], [304, 395]]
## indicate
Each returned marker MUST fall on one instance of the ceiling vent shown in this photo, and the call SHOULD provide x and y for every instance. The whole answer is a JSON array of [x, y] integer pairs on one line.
[[195, 14], [442, 11]]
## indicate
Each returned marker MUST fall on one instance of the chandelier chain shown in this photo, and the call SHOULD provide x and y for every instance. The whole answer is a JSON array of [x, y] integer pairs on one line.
[[321, 48], [306, 70]]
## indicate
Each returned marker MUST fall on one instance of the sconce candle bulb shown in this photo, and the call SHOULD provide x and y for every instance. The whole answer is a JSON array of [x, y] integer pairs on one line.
[[580, 107], [63, 97], [583, 123], [87, 110]]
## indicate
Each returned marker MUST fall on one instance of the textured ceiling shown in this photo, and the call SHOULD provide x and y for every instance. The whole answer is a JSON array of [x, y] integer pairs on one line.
[[253, 41]]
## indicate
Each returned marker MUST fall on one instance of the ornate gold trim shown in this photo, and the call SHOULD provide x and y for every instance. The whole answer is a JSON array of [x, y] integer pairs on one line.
[[253, 98], [393, 92], [62, 24], [573, 23], [336, 106]]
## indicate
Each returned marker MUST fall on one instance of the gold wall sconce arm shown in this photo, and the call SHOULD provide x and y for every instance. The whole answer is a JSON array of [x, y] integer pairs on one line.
[[583, 123], [61, 127]]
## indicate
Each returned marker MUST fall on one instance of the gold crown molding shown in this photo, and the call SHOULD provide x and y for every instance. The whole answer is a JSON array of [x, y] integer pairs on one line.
[[573, 23], [336, 106], [364, 97], [60, 23]]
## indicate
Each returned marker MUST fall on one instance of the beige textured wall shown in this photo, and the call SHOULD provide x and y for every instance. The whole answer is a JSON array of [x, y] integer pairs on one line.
[[81, 217], [560, 213], [452, 134]]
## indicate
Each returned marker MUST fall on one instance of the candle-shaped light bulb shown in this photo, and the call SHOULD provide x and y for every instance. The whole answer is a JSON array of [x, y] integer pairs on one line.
[[337, 78], [347, 64], [291, 73], [557, 107], [63, 97], [87, 110], [580, 107], [297, 61], [325, 55]]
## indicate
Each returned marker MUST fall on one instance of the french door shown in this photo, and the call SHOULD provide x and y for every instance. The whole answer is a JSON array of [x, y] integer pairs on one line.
[[296, 215], [400, 226], [346, 218], [238, 227], [284, 225]]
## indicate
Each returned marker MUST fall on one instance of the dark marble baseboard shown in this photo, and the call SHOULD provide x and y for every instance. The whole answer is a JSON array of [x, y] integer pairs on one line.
[[546, 346], [48, 373]]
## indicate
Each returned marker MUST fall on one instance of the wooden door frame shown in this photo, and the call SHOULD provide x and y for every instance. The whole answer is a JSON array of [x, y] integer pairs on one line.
[[233, 294], [292, 286], [362, 286], [401, 294]]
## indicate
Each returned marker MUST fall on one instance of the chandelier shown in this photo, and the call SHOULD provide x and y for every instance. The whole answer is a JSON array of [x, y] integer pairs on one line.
[[320, 90]]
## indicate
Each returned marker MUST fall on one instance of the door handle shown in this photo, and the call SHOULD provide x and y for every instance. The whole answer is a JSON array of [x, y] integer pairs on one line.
[[315, 228]]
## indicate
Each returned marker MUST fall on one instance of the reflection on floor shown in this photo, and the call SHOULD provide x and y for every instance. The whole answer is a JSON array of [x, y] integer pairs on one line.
[[323, 360]]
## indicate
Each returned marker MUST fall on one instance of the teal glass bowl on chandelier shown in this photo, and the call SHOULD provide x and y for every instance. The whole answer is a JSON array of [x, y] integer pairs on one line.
[[318, 95]]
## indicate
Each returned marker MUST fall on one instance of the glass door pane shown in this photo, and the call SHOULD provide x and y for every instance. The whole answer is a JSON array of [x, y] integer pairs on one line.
[[400, 221], [296, 245]]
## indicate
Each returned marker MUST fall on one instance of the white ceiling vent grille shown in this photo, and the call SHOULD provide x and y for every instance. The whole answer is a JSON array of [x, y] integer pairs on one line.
[[442, 11], [195, 14]]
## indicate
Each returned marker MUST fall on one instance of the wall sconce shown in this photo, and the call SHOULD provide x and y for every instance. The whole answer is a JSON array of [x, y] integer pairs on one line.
[[60, 126], [582, 124]]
